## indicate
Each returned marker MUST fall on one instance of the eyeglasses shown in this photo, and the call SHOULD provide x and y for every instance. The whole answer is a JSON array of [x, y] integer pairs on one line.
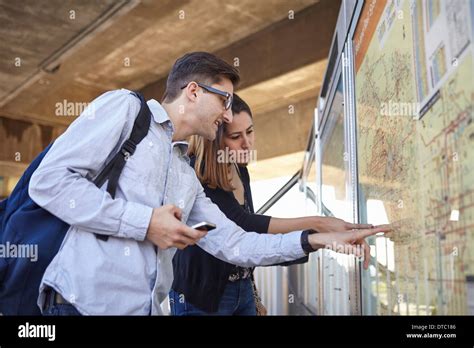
[[228, 97]]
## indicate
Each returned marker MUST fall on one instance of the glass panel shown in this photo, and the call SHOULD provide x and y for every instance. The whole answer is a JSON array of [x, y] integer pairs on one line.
[[335, 270], [334, 169], [293, 285]]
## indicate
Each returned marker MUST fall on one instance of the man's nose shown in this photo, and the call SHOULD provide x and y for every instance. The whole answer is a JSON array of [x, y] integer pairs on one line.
[[228, 117]]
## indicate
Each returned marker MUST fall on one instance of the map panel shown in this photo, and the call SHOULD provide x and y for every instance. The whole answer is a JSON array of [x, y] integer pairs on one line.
[[414, 103]]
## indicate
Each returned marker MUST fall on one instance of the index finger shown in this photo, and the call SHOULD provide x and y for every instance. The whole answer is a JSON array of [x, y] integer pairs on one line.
[[359, 226], [370, 232]]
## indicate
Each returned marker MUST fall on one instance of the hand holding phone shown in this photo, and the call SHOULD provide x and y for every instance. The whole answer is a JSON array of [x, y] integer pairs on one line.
[[166, 229]]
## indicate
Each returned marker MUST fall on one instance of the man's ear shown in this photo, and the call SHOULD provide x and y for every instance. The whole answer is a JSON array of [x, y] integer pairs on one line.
[[191, 90]]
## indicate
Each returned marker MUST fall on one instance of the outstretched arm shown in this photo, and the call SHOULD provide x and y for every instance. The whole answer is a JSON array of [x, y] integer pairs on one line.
[[317, 223], [230, 243]]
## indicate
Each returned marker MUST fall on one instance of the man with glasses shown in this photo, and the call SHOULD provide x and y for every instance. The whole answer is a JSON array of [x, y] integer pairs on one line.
[[227, 96], [157, 199]]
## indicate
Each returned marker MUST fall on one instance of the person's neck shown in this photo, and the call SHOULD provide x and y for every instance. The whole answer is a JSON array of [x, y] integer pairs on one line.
[[234, 171], [231, 169], [180, 126]]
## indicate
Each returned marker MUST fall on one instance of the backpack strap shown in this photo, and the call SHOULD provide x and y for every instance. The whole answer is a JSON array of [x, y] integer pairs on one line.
[[114, 168]]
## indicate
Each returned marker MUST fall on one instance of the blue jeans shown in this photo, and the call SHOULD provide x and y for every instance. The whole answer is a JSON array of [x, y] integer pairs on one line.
[[237, 299], [61, 309], [52, 308]]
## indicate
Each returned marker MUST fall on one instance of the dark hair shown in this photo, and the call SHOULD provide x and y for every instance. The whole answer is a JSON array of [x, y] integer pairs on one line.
[[238, 105], [201, 67]]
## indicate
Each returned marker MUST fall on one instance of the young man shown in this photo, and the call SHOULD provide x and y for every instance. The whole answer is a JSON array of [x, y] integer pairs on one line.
[[158, 196]]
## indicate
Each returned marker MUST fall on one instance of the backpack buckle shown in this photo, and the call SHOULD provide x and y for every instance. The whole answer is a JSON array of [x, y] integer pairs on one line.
[[128, 148]]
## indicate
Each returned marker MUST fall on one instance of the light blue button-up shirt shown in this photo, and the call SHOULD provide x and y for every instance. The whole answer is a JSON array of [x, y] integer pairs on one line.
[[127, 274]]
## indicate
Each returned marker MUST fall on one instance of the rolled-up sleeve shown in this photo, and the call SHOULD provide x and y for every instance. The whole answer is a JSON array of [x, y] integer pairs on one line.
[[62, 186], [232, 244]]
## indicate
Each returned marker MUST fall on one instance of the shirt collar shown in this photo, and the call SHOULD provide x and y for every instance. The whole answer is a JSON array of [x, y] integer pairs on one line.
[[159, 113]]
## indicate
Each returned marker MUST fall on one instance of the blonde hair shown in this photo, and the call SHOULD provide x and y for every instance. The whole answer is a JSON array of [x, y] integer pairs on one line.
[[208, 169]]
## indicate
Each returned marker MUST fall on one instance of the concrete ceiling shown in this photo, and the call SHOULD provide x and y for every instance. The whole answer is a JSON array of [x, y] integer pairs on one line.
[[34, 36], [75, 50], [137, 48]]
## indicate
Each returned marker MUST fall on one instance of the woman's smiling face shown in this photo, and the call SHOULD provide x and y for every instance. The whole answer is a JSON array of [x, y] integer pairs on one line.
[[239, 136]]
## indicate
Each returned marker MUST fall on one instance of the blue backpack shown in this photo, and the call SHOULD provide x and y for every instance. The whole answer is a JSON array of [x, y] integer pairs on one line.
[[25, 224]]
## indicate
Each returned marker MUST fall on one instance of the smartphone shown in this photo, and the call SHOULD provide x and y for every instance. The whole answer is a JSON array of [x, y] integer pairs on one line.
[[204, 225]]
